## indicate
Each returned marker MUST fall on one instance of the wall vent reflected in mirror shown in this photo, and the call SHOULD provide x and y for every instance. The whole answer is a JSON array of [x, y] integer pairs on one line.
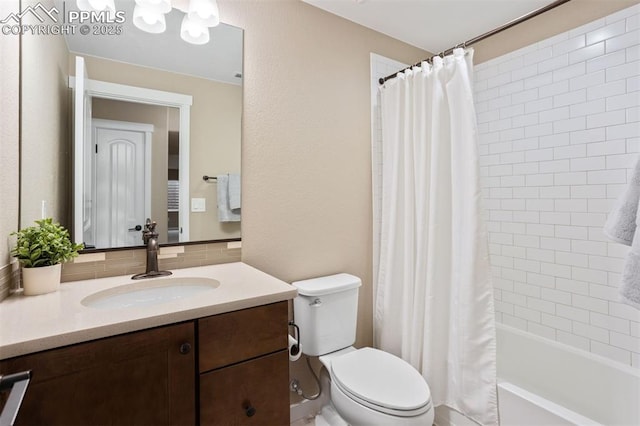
[[52, 166]]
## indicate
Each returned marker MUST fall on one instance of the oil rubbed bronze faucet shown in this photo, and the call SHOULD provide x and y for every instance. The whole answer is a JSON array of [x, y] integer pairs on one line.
[[150, 238]]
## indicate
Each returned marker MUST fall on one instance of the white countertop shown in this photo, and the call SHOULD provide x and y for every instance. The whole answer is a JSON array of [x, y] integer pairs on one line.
[[35, 323]]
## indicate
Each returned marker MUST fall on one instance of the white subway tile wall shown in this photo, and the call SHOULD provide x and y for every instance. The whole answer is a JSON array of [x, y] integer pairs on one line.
[[559, 132]]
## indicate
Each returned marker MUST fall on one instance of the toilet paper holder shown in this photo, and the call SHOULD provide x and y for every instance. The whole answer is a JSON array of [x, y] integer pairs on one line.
[[295, 349]]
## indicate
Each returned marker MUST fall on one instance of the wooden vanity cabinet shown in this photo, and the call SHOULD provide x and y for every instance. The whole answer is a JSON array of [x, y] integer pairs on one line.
[[150, 377], [145, 377], [244, 367]]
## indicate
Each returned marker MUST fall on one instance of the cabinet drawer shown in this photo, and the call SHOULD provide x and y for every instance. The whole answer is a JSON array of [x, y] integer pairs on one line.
[[241, 335], [250, 393]]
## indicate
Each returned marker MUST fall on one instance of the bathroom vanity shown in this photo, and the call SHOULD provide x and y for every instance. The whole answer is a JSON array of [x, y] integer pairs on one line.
[[217, 358]]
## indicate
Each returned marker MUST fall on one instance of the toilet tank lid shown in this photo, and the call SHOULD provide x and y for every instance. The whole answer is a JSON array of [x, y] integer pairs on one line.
[[327, 285]]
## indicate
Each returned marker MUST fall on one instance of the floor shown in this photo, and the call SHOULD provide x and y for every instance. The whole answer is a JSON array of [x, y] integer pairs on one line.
[[326, 417], [304, 422]]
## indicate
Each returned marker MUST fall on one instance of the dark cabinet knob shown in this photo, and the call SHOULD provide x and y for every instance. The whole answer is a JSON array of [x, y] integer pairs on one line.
[[136, 228], [185, 348], [249, 409]]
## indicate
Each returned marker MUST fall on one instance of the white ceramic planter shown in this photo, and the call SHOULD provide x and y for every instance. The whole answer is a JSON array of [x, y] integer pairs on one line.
[[45, 279]]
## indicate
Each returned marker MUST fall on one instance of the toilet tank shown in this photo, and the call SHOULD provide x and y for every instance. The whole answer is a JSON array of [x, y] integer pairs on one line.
[[326, 310]]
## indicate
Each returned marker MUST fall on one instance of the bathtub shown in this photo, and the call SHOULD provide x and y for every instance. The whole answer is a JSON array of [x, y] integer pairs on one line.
[[545, 383], [574, 382]]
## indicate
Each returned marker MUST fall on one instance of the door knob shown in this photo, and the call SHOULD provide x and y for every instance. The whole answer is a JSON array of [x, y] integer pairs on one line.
[[136, 228]]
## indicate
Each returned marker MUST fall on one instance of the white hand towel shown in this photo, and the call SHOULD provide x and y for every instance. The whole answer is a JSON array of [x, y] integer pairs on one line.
[[234, 192], [630, 287], [225, 214], [621, 222]]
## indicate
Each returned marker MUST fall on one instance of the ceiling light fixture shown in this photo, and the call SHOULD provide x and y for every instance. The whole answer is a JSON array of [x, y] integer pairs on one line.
[[149, 16], [193, 31], [205, 12]]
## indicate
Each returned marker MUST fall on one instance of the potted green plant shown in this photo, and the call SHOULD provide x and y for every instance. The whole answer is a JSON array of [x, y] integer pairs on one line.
[[41, 250]]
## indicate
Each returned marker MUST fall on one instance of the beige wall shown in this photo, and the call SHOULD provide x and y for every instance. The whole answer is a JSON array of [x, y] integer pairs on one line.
[[45, 127], [215, 132], [174, 119], [306, 155], [9, 133], [109, 109]]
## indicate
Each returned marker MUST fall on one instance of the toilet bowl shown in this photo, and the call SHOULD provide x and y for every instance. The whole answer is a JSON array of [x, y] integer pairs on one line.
[[372, 387], [368, 386]]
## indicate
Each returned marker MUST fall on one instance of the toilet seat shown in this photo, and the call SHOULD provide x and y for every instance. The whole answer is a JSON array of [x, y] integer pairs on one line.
[[382, 382]]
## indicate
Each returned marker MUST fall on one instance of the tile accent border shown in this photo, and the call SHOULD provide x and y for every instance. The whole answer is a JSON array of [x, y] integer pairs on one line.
[[5, 281], [9, 279], [129, 262]]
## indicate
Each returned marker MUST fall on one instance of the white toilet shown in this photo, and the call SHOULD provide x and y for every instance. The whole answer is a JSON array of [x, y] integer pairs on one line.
[[368, 386]]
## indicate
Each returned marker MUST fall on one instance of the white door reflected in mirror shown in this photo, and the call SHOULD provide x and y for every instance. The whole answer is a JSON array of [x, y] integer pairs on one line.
[[122, 182]]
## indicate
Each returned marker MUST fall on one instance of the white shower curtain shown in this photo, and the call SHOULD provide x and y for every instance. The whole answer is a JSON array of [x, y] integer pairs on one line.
[[434, 298]]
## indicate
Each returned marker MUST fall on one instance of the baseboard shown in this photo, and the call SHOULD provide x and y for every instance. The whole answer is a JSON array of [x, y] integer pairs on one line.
[[305, 409]]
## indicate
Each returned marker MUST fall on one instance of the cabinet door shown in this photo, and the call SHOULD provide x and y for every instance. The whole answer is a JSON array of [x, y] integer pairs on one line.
[[250, 393], [146, 377]]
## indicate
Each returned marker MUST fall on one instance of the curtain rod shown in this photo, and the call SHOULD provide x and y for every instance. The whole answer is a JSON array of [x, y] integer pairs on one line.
[[488, 34]]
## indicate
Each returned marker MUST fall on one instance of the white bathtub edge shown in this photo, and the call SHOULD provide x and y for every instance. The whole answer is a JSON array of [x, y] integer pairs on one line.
[[596, 387], [570, 416], [608, 362]]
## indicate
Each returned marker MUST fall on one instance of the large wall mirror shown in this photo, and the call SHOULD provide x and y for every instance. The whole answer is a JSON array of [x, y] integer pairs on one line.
[[157, 114]]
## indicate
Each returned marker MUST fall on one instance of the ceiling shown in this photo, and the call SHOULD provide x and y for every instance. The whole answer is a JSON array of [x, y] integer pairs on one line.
[[432, 25], [220, 59]]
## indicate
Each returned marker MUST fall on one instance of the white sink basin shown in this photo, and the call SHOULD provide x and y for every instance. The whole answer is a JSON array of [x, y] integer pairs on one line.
[[150, 292]]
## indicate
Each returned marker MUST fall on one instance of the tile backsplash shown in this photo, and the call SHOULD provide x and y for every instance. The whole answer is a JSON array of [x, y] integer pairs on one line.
[[559, 134], [129, 262]]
